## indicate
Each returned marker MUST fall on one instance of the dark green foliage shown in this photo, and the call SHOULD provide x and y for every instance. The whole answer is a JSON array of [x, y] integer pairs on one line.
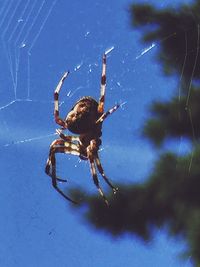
[[177, 32], [170, 197], [174, 119]]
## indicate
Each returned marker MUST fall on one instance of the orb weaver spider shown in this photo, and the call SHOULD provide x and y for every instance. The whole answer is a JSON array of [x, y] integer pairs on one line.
[[85, 119]]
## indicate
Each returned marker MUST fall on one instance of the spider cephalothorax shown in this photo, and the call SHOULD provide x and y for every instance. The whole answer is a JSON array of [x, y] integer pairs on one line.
[[83, 116], [85, 119]]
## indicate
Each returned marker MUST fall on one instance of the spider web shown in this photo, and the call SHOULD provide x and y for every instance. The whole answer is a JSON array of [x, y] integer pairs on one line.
[[187, 105], [17, 27], [22, 25]]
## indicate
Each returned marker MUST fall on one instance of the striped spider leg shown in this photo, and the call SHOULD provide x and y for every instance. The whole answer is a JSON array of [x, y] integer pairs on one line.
[[59, 146], [95, 164], [102, 94], [103, 86], [59, 120], [85, 119]]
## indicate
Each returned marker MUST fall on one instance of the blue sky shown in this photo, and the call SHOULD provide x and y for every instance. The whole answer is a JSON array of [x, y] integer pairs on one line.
[[39, 41]]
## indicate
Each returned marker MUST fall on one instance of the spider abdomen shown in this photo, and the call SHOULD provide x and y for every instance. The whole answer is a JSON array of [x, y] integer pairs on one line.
[[83, 116], [85, 119]]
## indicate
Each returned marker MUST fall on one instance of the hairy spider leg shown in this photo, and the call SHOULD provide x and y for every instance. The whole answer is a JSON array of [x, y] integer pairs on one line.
[[54, 180], [95, 179], [48, 164], [68, 138], [103, 86], [101, 171], [59, 146], [109, 112], [59, 120], [70, 148]]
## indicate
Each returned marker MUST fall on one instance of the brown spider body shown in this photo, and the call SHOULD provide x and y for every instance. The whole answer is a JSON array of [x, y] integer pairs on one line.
[[83, 116], [82, 120], [85, 120]]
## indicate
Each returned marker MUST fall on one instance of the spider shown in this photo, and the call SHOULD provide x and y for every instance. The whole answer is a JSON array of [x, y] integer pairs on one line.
[[85, 120]]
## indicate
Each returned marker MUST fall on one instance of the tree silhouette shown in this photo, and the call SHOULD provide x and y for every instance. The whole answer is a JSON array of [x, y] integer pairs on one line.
[[182, 24], [171, 195], [174, 119]]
